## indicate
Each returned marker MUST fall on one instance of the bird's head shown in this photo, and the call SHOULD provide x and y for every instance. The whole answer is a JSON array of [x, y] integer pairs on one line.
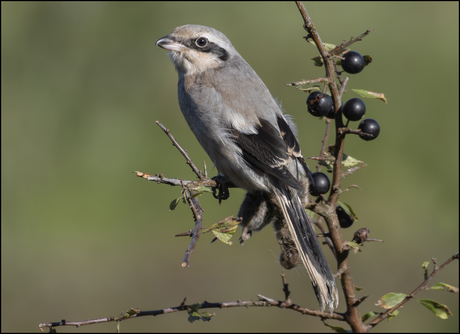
[[194, 48]]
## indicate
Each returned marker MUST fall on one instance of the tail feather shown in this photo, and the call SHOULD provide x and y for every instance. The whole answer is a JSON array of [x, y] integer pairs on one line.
[[308, 246]]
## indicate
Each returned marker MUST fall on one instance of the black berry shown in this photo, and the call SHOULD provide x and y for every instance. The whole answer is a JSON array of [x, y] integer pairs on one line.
[[319, 104], [345, 219], [354, 109], [321, 185], [369, 126], [331, 113], [353, 62]]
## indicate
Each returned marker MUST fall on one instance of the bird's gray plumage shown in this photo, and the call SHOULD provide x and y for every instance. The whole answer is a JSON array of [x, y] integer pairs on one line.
[[243, 130]]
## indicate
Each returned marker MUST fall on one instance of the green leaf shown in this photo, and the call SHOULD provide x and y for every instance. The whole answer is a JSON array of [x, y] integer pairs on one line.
[[393, 314], [311, 89], [391, 299], [223, 230], [425, 268], [358, 288], [329, 162], [370, 95], [318, 61], [327, 46], [224, 237], [224, 226], [444, 286], [347, 161], [202, 189], [440, 310], [350, 162], [128, 314], [195, 315], [337, 329], [353, 245], [198, 191], [175, 202], [367, 59], [132, 311], [310, 213], [348, 209], [367, 316]]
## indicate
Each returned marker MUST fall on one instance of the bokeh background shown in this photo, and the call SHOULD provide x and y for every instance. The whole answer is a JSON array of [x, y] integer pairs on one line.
[[83, 237]]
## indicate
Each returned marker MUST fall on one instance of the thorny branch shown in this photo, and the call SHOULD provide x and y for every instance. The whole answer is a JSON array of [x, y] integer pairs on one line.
[[340, 48], [326, 212], [261, 302], [182, 151], [198, 215], [176, 182], [352, 315]]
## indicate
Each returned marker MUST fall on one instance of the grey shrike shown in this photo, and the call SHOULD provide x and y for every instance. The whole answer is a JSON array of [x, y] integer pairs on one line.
[[251, 142]]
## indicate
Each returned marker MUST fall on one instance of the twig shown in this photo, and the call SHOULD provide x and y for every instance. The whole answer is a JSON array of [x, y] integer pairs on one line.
[[182, 151], [287, 293], [261, 302], [339, 49], [160, 179], [343, 83], [327, 240], [184, 234], [345, 130], [360, 300], [324, 143], [385, 315], [303, 310], [188, 191], [198, 216]]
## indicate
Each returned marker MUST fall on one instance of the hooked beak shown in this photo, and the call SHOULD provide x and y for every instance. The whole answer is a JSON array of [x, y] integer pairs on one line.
[[169, 44]]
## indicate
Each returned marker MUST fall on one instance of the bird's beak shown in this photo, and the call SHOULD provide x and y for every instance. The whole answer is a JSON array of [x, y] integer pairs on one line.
[[169, 44]]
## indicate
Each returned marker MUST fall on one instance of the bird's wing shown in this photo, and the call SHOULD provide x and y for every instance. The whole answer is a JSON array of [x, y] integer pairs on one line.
[[271, 151], [267, 152]]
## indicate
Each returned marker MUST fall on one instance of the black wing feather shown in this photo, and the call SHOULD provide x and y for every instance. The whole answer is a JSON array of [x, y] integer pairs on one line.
[[267, 152], [294, 147]]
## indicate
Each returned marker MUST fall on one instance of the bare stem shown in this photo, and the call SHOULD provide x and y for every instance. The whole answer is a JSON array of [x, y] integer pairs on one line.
[[261, 302], [182, 151]]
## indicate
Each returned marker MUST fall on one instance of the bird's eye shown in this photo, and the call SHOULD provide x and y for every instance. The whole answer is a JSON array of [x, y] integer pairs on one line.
[[201, 42]]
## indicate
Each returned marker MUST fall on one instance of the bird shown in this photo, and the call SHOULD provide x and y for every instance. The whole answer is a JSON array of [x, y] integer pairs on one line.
[[252, 143]]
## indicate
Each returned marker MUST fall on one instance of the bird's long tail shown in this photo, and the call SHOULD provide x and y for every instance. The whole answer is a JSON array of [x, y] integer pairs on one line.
[[308, 247]]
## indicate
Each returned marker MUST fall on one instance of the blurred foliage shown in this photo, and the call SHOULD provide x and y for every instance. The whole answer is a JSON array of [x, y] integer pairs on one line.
[[82, 87]]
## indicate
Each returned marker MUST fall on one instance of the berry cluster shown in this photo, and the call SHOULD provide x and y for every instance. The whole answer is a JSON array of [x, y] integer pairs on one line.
[[320, 104]]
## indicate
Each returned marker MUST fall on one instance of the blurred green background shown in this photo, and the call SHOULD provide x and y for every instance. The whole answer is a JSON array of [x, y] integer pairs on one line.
[[82, 87]]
